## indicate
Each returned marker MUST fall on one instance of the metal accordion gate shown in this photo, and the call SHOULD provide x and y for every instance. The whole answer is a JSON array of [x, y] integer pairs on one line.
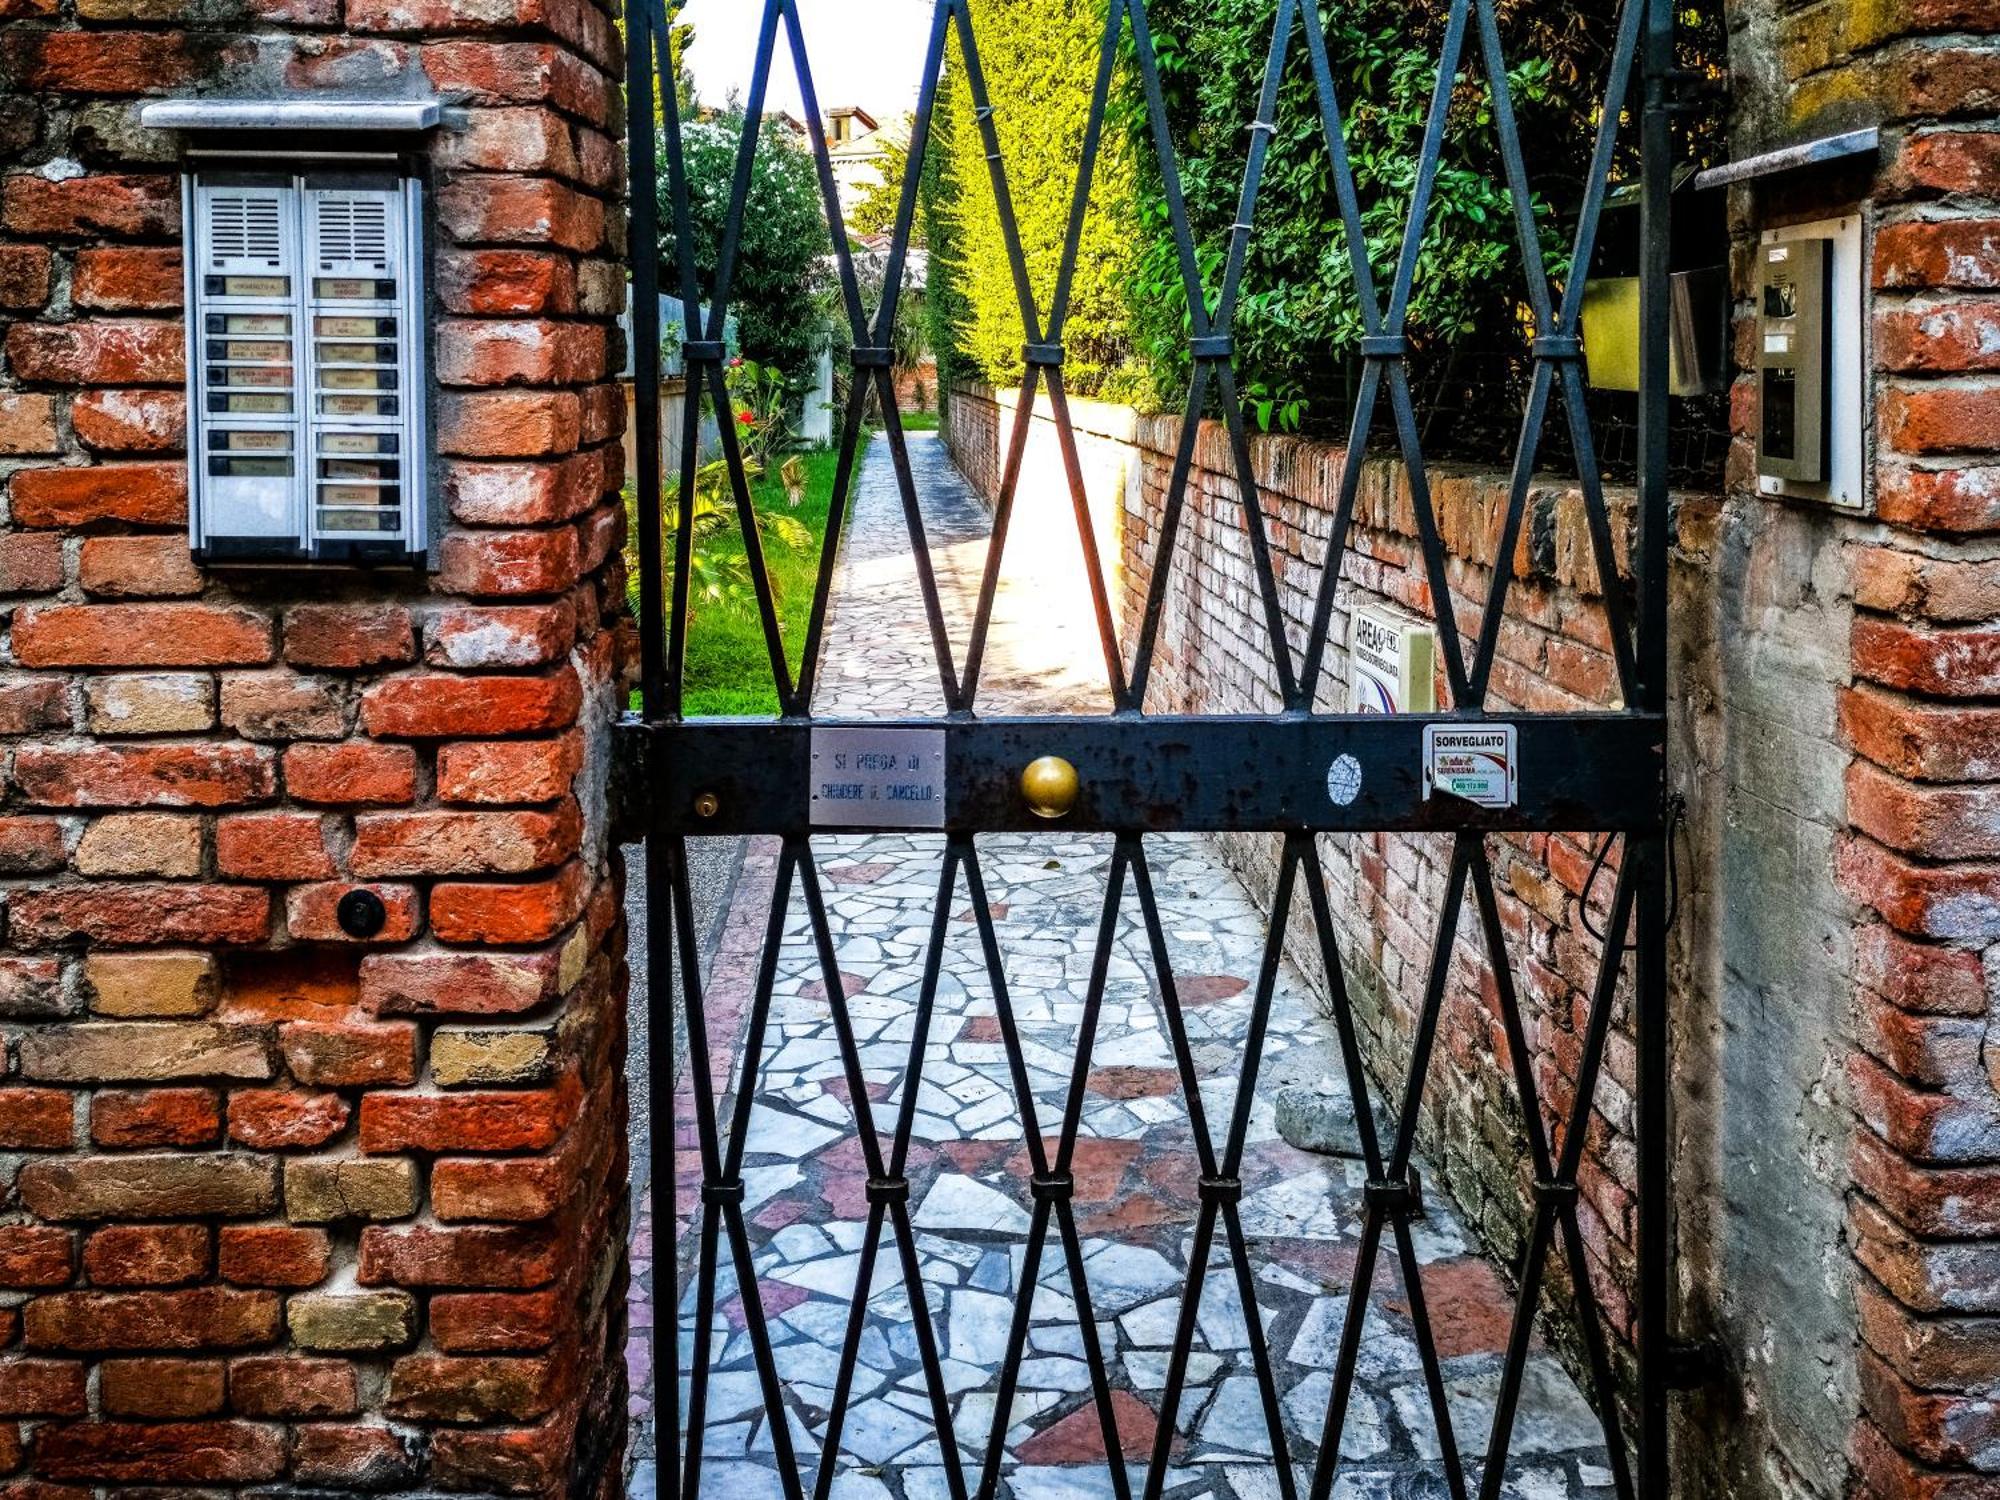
[[1297, 774]]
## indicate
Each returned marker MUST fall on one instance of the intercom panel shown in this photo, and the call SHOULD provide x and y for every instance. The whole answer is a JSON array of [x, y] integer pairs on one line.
[[306, 370]]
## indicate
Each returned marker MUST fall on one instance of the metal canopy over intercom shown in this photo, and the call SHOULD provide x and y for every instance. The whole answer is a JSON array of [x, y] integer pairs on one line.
[[307, 333]]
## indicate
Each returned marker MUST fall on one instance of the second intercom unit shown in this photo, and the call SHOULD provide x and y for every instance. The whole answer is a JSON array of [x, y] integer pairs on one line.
[[1792, 360], [306, 374], [1811, 363]]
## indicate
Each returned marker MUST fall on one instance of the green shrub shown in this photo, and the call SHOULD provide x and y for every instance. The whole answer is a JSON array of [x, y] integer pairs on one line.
[[774, 294], [1298, 324], [1040, 60]]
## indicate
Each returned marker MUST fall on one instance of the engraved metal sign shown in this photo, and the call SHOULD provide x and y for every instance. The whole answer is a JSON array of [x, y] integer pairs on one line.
[[877, 778]]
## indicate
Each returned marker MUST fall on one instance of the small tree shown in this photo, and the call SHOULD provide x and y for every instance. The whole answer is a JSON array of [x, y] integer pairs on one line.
[[784, 236]]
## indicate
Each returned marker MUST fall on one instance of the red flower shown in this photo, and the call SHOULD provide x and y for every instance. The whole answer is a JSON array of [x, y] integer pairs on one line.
[[745, 418]]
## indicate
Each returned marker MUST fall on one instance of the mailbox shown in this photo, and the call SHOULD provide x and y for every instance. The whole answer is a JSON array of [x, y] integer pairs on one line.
[[307, 335]]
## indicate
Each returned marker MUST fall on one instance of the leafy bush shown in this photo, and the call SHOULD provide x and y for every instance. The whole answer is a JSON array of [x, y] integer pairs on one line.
[[773, 295], [1040, 59], [1298, 324]]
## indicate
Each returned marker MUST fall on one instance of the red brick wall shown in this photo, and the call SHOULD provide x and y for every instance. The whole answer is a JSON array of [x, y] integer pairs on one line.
[[281, 1208], [1386, 889]]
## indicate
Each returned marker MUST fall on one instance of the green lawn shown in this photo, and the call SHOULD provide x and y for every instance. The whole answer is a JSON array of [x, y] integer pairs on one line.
[[728, 668]]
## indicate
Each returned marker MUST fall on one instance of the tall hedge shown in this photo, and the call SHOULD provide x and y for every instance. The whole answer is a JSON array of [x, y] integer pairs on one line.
[[1040, 61]]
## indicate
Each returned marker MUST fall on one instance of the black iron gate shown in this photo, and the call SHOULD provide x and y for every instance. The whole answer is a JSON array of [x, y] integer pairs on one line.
[[1299, 773]]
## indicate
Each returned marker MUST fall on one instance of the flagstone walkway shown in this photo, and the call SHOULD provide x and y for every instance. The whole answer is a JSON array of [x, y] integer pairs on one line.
[[1136, 1192]]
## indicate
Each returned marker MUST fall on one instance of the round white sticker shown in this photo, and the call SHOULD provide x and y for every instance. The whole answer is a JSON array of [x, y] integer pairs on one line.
[[1343, 781]]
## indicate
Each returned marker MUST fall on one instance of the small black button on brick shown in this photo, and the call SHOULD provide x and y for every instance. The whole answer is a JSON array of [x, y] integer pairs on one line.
[[361, 914]]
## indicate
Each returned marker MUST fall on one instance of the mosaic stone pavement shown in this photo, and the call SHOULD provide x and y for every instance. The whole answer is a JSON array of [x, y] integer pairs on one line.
[[1136, 1190]]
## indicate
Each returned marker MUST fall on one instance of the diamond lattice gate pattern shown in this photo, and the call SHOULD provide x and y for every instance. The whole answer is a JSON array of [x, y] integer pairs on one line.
[[946, 1300]]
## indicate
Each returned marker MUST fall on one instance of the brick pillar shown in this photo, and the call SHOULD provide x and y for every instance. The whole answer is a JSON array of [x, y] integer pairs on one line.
[[281, 1208], [1922, 858]]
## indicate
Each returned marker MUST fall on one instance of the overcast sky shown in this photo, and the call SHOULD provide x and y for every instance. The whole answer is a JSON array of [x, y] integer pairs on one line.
[[865, 52]]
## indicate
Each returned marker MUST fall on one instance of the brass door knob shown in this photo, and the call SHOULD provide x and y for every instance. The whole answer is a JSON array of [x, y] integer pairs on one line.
[[1050, 786]]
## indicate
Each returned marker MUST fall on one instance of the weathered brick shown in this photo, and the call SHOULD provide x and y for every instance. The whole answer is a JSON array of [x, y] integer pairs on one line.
[[161, 1388], [352, 1458], [141, 635], [180, 775], [463, 843], [282, 706], [349, 637], [437, 706], [1962, 254], [1936, 822], [192, 1318], [162, 1453], [352, 1322], [33, 206], [1960, 416], [1959, 499], [285, 1119], [274, 1255], [510, 424], [141, 1118], [450, 1388], [516, 1460], [503, 772], [503, 564], [272, 846], [31, 705], [332, 1191], [141, 844], [499, 636], [164, 1187], [290, 1387], [43, 1388], [30, 563], [143, 1052], [130, 421], [128, 279], [462, 984], [35, 1255], [509, 914], [356, 774], [137, 567], [152, 984], [1919, 740], [312, 912], [489, 283], [31, 846], [142, 915], [139, 494], [343, 1054], [528, 1120], [524, 494], [1939, 589], [37, 1119], [25, 275], [486, 1058], [28, 429], [1950, 903], [147, 1254], [520, 211], [151, 703], [495, 1322]]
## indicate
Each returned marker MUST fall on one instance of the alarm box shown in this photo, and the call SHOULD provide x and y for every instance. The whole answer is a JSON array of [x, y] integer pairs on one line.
[[306, 375]]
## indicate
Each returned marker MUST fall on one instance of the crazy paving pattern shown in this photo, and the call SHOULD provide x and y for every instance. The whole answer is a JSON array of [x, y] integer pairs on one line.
[[806, 1207]]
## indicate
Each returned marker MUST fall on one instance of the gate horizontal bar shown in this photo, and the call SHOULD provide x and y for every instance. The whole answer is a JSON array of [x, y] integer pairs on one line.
[[1330, 773]]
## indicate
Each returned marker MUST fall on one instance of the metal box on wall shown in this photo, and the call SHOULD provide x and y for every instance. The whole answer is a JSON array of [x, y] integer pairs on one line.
[[306, 368], [308, 388]]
